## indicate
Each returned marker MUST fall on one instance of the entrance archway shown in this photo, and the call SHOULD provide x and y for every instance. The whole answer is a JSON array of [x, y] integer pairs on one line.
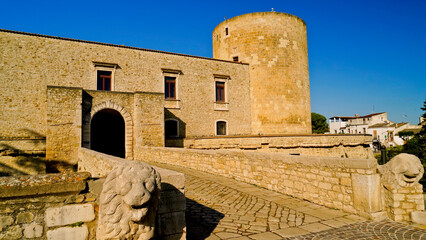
[[107, 133]]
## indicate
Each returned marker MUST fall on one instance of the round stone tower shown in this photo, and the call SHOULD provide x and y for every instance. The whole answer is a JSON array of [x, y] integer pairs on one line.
[[275, 46]]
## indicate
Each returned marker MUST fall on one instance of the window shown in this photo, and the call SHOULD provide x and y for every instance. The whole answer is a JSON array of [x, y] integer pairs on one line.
[[226, 32], [170, 87], [171, 128], [220, 128], [235, 59], [104, 80], [220, 91]]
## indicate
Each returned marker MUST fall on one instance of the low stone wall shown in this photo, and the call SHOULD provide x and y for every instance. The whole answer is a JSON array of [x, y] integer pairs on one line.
[[48, 206], [328, 145], [349, 184], [171, 212]]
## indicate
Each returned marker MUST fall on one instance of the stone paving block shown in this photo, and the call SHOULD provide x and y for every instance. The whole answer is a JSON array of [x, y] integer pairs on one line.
[[61, 216], [334, 223], [265, 236], [290, 232], [240, 238], [315, 227], [226, 235]]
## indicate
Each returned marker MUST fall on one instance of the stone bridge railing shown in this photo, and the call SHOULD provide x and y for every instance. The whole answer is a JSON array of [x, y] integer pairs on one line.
[[353, 185]]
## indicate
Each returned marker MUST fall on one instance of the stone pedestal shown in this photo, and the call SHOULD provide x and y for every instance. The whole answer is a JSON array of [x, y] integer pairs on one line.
[[401, 201]]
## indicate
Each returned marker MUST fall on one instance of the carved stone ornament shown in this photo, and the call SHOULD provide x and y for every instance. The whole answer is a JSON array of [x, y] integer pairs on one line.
[[129, 202], [404, 170]]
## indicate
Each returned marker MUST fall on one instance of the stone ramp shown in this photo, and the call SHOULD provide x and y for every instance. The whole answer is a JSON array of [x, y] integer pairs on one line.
[[222, 208]]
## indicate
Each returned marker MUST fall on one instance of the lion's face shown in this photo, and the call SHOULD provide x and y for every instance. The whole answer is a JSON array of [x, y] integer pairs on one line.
[[404, 170], [136, 194], [128, 203]]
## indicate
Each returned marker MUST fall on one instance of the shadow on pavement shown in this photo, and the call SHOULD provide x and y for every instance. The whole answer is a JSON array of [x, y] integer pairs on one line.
[[200, 220]]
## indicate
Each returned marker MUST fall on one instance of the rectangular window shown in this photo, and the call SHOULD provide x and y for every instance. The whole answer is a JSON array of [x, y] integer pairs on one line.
[[235, 59], [104, 80], [226, 32], [220, 128], [220, 92], [170, 87]]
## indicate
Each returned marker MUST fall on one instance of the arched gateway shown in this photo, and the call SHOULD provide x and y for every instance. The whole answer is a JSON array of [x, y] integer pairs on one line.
[[111, 130], [108, 133]]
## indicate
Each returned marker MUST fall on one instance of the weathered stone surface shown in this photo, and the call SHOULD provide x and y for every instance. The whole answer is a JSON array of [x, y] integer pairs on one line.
[[33, 230], [367, 192], [69, 214], [419, 217], [404, 170], [171, 223], [24, 217], [5, 221], [13, 232], [45, 183], [132, 189], [68, 233]]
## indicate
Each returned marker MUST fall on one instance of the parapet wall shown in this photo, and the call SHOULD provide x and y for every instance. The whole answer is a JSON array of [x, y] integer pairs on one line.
[[326, 145], [349, 184], [66, 205]]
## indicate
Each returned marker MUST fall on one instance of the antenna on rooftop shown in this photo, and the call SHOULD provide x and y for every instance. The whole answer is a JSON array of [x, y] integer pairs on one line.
[[224, 18], [272, 9]]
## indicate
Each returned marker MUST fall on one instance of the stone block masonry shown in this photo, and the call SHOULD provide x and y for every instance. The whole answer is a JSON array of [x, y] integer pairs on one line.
[[326, 145], [47, 206]]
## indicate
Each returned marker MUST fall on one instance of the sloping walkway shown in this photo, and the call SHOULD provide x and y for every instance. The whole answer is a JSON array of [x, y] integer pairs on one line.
[[222, 208]]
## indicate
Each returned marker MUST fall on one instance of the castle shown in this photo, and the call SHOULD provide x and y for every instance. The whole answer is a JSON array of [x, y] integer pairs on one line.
[[59, 94]]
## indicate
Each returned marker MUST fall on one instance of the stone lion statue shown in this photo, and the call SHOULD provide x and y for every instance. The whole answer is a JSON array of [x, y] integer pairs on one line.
[[404, 170], [129, 202]]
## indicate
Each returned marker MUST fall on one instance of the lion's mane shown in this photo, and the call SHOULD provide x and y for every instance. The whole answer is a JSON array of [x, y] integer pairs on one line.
[[129, 202]]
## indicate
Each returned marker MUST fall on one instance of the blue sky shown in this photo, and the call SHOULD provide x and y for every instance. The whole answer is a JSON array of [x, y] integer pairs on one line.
[[363, 55]]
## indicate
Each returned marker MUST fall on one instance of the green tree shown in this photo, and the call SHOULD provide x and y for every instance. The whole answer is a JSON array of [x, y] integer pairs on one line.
[[417, 144], [319, 123], [405, 134]]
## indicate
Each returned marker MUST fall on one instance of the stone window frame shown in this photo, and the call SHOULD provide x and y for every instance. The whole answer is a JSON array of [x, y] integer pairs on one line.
[[103, 66], [177, 127], [226, 127], [171, 103], [221, 105]]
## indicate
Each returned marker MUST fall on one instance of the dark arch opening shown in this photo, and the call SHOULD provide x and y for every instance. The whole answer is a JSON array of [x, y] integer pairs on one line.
[[107, 133]]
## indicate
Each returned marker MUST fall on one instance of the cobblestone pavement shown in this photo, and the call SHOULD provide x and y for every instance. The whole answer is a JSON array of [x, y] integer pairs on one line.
[[222, 208]]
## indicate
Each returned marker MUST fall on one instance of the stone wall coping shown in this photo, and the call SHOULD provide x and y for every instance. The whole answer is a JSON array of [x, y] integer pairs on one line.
[[105, 163], [331, 162], [279, 135], [42, 184]]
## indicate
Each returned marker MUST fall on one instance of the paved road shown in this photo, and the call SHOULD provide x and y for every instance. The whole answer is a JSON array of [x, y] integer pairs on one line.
[[222, 208]]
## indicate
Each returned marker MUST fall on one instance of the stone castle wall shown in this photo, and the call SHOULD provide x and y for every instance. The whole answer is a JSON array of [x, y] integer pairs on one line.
[[30, 63], [275, 46], [326, 145], [352, 185]]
